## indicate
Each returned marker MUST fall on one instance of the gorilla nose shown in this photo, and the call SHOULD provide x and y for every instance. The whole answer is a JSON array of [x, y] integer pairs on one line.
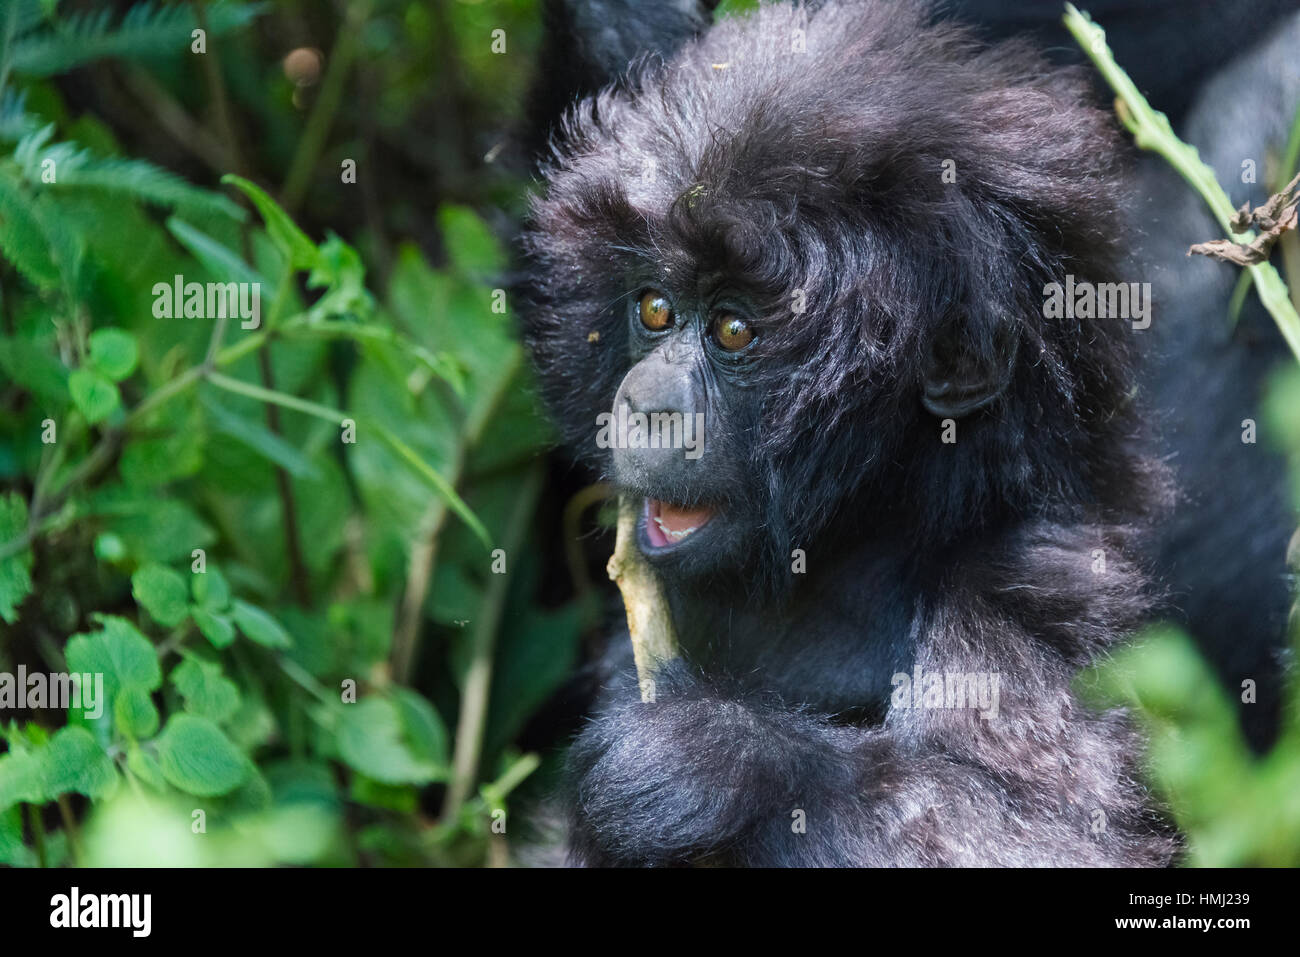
[[658, 429], [659, 384]]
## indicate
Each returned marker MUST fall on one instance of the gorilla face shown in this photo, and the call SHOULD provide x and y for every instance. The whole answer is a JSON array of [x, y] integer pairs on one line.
[[685, 392], [805, 263]]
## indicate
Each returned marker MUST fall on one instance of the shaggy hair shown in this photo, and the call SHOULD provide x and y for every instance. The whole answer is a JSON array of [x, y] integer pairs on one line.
[[816, 178]]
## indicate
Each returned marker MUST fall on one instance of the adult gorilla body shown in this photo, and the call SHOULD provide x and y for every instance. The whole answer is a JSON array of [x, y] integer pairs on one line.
[[802, 195]]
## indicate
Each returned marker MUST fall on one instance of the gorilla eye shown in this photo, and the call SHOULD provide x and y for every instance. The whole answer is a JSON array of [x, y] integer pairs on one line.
[[731, 332], [656, 315]]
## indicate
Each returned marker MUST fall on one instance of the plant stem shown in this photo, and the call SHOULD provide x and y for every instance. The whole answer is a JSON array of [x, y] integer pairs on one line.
[[217, 89], [38, 833], [478, 680], [288, 506], [276, 398], [1151, 131], [321, 119], [419, 575], [71, 830]]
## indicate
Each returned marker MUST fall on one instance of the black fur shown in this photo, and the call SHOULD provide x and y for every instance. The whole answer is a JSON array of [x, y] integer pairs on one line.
[[587, 44], [821, 171]]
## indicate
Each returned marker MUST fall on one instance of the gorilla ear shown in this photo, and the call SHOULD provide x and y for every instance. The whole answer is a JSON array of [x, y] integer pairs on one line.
[[962, 376]]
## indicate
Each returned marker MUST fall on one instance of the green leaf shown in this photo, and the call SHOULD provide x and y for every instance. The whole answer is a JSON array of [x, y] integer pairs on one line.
[[340, 272], [162, 592], [259, 626], [145, 767], [113, 353], [13, 852], [220, 259], [74, 761], [22, 240], [20, 779], [197, 758], [397, 740], [120, 653], [435, 479], [109, 547], [31, 364], [154, 528], [70, 761], [134, 714], [149, 463], [15, 571], [206, 691], [79, 170], [142, 180], [424, 729], [95, 396], [297, 248], [215, 627], [470, 244], [210, 589]]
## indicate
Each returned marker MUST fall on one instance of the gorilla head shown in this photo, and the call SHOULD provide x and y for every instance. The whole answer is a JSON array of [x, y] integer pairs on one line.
[[829, 235]]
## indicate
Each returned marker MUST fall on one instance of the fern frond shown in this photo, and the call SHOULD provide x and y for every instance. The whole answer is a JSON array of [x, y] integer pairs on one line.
[[20, 16], [15, 121], [22, 239], [152, 184], [147, 30], [76, 167]]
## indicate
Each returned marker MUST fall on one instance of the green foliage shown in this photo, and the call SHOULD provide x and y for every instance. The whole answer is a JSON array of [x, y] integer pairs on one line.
[[1236, 808], [46, 45], [217, 518]]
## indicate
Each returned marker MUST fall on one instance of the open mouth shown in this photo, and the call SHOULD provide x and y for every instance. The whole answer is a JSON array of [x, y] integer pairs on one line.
[[668, 525]]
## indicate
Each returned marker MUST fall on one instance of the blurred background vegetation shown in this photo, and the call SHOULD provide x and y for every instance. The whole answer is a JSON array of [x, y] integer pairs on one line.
[[336, 586]]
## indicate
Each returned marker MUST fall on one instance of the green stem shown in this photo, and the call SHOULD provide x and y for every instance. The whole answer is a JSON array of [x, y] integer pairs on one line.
[[474, 697], [406, 631], [71, 830], [408, 454], [277, 398], [321, 119], [1291, 154], [440, 484], [38, 833], [1151, 131], [304, 679], [50, 523]]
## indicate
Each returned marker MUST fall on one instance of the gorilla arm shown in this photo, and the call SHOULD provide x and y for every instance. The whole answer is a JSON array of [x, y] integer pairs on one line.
[[709, 773]]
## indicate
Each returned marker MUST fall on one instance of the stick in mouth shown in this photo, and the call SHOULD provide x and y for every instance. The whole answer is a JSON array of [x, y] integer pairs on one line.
[[649, 620]]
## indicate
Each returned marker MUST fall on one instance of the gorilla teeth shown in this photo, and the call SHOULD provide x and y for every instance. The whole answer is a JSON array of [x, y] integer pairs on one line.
[[675, 536]]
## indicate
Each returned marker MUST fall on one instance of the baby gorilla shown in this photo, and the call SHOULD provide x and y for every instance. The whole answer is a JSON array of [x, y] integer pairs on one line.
[[826, 236]]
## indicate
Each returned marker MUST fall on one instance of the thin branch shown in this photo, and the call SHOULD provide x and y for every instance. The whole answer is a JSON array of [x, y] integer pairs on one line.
[[298, 576], [321, 119], [649, 619], [419, 575], [217, 89], [1151, 131], [474, 697]]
